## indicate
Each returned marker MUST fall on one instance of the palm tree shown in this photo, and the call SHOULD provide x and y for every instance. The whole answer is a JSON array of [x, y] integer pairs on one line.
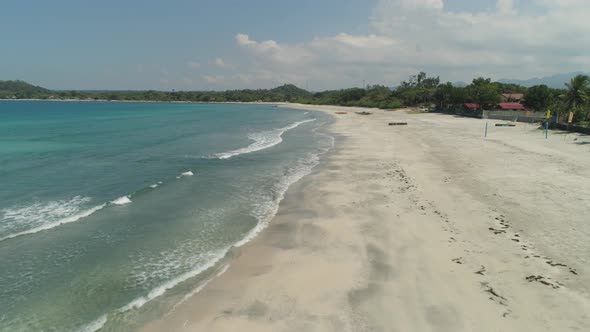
[[577, 94]]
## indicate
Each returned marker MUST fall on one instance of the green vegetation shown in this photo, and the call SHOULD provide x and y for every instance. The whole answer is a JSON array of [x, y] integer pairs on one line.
[[21, 90], [539, 97], [418, 90], [373, 96], [577, 97]]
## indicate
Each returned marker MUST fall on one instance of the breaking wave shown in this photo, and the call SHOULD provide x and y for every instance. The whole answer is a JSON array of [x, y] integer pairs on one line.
[[121, 200], [262, 140], [38, 217]]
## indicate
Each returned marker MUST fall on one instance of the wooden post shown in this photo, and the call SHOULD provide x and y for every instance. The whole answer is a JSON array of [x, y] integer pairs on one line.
[[547, 124]]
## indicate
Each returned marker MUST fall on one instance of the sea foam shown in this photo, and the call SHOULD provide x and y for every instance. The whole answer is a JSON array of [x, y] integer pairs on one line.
[[44, 216], [262, 140], [264, 212], [94, 325], [268, 206], [162, 288], [200, 287], [121, 201]]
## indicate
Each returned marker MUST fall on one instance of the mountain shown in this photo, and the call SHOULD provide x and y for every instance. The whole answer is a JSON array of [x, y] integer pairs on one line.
[[555, 81], [290, 91], [21, 89], [24, 90]]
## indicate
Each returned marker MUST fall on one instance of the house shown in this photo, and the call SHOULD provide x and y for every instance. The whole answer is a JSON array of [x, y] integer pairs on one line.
[[512, 97], [511, 107], [471, 106]]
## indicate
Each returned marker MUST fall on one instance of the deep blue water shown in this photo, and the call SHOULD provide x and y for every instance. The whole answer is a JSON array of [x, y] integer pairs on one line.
[[109, 212]]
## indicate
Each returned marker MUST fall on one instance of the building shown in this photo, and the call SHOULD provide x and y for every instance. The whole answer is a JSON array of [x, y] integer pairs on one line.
[[512, 97], [511, 107], [471, 106]]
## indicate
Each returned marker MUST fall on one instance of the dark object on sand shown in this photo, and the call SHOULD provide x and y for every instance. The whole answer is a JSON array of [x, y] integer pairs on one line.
[[398, 123], [341, 112], [505, 125], [481, 271], [364, 113]]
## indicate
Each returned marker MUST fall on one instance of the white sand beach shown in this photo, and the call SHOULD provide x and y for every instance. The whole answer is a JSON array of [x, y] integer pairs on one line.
[[424, 227]]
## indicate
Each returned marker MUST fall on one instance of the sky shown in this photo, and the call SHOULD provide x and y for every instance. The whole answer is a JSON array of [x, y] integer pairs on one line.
[[315, 44]]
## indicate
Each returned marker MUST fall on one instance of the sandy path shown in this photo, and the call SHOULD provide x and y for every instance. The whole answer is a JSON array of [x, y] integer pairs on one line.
[[425, 227]]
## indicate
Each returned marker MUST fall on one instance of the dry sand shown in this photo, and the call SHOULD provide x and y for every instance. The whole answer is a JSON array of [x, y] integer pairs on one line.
[[425, 227]]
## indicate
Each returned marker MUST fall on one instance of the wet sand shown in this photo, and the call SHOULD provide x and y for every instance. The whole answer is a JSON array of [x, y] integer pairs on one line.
[[424, 227]]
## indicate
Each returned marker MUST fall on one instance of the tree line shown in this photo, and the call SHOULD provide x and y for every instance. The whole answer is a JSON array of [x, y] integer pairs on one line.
[[419, 89]]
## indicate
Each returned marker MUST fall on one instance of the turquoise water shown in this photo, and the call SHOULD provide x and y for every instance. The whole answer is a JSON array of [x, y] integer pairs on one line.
[[110, 213]]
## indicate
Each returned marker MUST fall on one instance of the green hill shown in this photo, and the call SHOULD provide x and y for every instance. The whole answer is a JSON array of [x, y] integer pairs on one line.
[[290, 92], [21, 89]]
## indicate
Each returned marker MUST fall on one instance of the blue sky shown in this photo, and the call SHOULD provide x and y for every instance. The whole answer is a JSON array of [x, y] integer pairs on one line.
[[224, 44]]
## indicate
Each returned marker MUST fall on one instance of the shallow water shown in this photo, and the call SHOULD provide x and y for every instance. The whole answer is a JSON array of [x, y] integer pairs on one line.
[[110, 212]]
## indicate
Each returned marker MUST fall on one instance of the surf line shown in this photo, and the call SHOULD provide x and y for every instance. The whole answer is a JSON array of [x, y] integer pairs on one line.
[[262, 140]]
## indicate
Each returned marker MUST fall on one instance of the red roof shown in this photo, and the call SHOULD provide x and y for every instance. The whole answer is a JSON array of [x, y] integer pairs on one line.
[[511, 106], [472, 106]]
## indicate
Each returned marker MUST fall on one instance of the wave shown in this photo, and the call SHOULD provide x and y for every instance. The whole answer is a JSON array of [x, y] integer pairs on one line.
[[262, 140], [94, 325], [187, 173], [264, 213], [45, 216], [269, 206], [156, 185], [36, 215], [121, 200], [200, 287], [160, 290]]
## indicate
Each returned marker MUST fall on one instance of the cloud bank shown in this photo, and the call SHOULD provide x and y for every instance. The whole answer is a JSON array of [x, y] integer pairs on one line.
[[406, 36]]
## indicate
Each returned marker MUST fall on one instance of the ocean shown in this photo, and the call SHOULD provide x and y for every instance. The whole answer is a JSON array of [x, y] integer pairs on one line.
[[113, 213]]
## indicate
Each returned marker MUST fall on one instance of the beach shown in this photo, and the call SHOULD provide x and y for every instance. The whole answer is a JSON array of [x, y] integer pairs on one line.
[[425, 227]]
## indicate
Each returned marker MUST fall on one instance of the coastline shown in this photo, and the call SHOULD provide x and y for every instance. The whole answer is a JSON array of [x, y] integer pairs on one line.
[[148, 101], [154, 279], [425, 227], [143, 101]]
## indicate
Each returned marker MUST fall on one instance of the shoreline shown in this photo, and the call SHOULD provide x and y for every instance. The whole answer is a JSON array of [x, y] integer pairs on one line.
[[277, 103], [295, 170], [144, 101], [400, 229], [234, 258]]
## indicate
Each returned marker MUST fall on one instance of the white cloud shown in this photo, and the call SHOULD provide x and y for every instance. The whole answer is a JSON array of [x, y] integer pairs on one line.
[[419, 4], [194, 65], [220, 63], [244, 40], [505, 7], [407, 36], [266, 46], [370, 41], [214, 79]]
